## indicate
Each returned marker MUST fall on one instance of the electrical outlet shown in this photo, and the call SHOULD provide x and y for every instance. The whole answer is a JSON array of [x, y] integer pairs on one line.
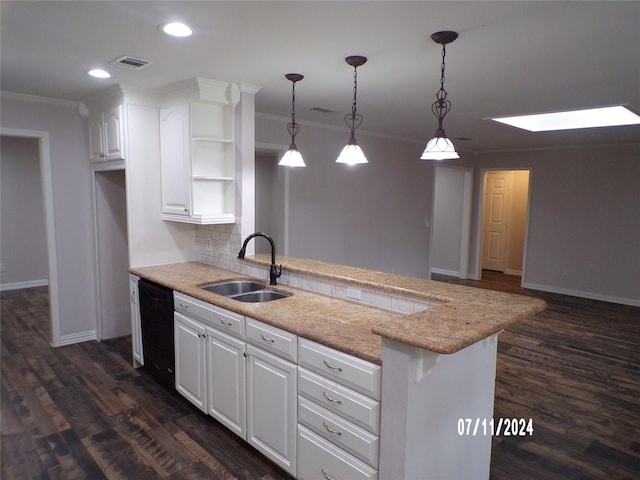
[[565, 272], [354, 293], [1, 267]]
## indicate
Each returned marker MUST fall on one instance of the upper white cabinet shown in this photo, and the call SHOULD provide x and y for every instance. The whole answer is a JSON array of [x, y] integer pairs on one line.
[[106, 133], [198, 155]]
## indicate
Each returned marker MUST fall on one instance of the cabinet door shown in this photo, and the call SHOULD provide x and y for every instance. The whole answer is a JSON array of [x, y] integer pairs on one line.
[[113, 134], [271, 407], [175, 160], [96, 138], [136, 329], [191, 360], [227, 384]]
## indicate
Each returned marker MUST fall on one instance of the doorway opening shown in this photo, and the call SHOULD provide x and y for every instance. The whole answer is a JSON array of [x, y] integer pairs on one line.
[[504, 221], [112, 254], [46, 188], [272, 200]]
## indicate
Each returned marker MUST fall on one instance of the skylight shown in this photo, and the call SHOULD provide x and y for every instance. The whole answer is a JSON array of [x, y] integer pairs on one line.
[[587, 118]]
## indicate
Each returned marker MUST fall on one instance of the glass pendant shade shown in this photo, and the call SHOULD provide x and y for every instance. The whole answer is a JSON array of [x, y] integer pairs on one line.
[[292, 158], [352, 154], [439, 148]]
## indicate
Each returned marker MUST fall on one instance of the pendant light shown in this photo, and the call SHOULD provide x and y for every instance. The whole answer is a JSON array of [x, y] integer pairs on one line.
[[440, 147], [352, 154], [292, 157]]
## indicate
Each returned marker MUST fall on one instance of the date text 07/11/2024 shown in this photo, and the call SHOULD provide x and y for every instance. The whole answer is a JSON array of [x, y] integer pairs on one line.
[[507, 427]]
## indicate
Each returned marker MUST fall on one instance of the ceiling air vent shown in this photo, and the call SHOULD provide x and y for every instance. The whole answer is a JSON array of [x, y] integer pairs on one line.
[[131, 63]]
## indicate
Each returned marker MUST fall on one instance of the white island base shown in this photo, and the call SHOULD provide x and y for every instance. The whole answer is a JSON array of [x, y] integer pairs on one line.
[[424, 396]]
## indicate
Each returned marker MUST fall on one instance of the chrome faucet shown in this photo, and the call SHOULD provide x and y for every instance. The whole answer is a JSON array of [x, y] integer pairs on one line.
[[274, 272]]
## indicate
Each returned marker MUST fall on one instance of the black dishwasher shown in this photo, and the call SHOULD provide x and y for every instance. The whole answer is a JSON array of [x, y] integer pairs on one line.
[[156, 319]]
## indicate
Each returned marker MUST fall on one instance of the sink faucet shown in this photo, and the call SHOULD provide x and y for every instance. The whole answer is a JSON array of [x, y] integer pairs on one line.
[[274, 272]]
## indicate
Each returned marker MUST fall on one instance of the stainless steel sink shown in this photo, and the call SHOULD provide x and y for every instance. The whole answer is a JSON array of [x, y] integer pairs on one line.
[[234, 287], [265, 295], [245, 291]]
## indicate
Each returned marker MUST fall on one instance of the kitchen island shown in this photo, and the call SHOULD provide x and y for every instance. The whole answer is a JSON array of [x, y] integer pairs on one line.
[[436, 345]]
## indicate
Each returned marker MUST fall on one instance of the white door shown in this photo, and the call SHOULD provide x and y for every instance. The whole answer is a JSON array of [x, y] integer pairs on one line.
[[496, 205], [271, 407], [191, 360], [227, 384]]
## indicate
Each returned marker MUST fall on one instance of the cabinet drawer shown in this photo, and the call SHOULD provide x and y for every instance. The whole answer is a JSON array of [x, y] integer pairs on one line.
[[339, 431], [224, 320], [272, 339], [351, 405], [320, 460], [346, 369]]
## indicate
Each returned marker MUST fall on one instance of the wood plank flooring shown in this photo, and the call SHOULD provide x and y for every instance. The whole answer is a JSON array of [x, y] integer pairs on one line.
[[82, 412]]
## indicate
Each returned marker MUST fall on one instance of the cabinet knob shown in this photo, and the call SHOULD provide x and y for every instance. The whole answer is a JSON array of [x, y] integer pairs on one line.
[[332, 400], [330, 430], [331, 367], [267, 339], [326, 475]]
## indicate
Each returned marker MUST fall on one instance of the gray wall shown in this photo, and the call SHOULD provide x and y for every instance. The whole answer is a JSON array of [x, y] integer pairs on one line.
[[23, 248], [72, 204], [447, 220], [584, 224], [584, 219], [370, 216]]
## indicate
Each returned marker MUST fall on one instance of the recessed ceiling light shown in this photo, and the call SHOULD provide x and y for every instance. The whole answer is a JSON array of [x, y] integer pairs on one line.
[[99, 73], [177, 29], [587, 118]]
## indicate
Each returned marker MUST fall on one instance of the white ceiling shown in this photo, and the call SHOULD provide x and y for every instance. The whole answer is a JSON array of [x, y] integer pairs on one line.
[[511, 57]]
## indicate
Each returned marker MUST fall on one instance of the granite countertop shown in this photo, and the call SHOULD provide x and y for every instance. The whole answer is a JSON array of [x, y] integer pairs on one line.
[[465, 316]]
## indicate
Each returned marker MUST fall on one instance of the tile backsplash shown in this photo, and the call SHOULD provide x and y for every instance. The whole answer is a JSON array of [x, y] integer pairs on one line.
[[218, 246]]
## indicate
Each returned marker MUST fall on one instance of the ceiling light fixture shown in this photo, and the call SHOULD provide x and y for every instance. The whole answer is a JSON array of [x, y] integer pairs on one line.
[[99, 73], [177, 29], [352, 154], [440, 147], [613, 116], [292, 157]]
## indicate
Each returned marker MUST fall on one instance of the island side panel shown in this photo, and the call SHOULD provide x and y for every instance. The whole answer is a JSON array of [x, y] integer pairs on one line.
[[424, 395]]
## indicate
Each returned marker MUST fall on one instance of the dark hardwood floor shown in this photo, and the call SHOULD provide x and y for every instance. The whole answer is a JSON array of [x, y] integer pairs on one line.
[[82, 412]]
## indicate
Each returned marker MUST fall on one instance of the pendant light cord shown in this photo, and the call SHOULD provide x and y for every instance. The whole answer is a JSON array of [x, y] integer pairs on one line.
[[353, 119], [441, 106], [293, 128]]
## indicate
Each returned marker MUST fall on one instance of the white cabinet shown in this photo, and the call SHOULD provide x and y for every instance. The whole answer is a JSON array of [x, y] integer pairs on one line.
[[271, 407], [106, 133], [272, 393], [338, 414], [191, 360], [227, 380], [136, 326], [198, 159]]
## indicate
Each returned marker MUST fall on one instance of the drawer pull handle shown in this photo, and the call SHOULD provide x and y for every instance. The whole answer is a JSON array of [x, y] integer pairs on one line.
[[339, 369], [184, 305], [202, 335], [228, 324], [332, 400], [326, 475], [330, 430], [267, 339]]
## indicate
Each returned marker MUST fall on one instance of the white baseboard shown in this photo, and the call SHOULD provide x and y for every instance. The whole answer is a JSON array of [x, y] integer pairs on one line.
[[20, 285], [76, 338], [578, 293], [442, 271]]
